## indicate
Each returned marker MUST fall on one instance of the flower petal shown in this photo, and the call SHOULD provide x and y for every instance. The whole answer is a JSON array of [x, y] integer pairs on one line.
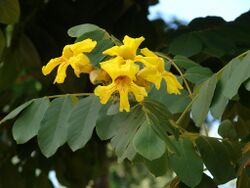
[[51, 65], [61, 73], [116, 68], [67, 52], [124, 103], [105, 92], [81, 64], [127, 50], [139, 92], [152, 75], [133, 43], [173, 85], [148, 53], [86, 45]]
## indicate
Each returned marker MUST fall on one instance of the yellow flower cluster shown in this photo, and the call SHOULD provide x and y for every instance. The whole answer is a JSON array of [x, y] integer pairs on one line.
[[127, 72]]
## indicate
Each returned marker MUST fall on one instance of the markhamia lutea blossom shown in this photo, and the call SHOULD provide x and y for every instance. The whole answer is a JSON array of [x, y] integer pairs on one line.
[[128, 73]]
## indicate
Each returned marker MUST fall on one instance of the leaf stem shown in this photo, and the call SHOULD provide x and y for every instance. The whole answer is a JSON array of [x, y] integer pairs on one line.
[[73, 94], [185, 111]]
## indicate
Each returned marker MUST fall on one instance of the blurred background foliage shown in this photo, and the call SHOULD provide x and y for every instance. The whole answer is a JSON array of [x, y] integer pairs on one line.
[[34, 31]]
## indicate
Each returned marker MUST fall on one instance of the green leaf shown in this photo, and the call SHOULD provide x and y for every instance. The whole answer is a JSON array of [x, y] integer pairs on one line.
[[16, 111], [184, 62], [217, 159], [96, 35], [247, 85], [240, 74], [187, 44], [220, 101], [54, 126], [198, 74], [28, 123], [113, 109], [107, 126], [206, 182], [147, 142], [227, 130], [187, 164], [161, 119], [122, 127], [96, 55], [79, 30], [216, 43], [82, 122], [2, 42], [122, 140], [9, 11], [159, 166], [203, 100], [174, 103]]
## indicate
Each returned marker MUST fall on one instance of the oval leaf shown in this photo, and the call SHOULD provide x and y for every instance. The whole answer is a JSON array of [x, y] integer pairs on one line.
[[197, 74], [79, 30], [16, 111], [203, 100], [187, 44], [28, 124], [239, 75], [54, 126], [147, 142], [187, 164], [216, 158], [82, 122]]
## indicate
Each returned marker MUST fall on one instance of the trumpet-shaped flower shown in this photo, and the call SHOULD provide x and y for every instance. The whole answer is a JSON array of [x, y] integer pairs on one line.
[[154, 72], [72, 55], [125, 52], [123, 76]]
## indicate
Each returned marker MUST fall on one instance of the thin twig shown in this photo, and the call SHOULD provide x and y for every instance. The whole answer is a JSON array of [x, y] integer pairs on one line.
[[73, 94]]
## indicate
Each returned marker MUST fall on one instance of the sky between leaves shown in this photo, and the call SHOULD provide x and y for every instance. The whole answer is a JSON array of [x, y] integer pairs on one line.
[[186, 10]]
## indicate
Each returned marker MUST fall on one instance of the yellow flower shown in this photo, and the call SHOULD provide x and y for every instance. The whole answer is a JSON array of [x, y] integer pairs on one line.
[[127, 51], [173, 86], [154, 72], [123, 76], [72, 55]]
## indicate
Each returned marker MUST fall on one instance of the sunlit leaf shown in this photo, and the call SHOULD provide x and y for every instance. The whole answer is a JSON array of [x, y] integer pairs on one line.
[[203, 100], [240, 74], [220, 101], [79, 30]]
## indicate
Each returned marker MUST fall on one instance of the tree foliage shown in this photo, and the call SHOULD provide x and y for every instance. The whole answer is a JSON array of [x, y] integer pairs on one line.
[[57, 129]]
